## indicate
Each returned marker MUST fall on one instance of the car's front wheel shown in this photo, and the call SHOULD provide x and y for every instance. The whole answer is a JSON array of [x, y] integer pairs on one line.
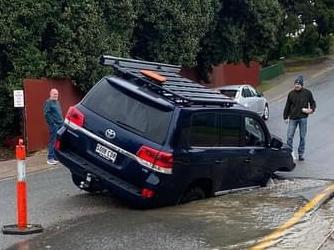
[[266, 112]]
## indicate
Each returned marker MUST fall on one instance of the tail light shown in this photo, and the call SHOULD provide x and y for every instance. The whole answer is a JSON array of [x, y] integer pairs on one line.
[[75, 116], [57, 144], [147, 193], [162, 161]]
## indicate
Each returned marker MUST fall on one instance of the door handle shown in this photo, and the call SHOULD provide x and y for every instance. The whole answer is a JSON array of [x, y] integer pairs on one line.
[[247, 161], [219, 161]]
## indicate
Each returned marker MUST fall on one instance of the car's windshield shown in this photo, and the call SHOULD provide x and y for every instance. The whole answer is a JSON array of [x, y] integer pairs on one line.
[[128, 111]]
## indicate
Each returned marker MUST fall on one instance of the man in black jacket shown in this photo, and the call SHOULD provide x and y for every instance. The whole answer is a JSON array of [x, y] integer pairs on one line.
[[299, 105]]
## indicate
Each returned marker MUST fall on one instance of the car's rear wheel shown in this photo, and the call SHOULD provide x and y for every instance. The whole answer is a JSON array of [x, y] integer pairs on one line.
[[266, 113], [92, 188], [265, 179], [193, 193]]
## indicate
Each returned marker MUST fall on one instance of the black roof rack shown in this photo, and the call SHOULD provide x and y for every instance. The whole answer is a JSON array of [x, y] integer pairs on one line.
[[175, 88]]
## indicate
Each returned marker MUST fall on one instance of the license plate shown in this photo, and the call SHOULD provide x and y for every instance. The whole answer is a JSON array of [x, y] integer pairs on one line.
[[105, 152]]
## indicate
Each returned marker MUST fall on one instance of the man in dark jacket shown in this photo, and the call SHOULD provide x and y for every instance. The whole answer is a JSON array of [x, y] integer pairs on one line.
[[54, 119], [299, 105]]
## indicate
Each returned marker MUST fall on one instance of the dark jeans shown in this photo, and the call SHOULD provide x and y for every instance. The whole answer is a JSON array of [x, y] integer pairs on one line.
[[302, 123], [52, 140]]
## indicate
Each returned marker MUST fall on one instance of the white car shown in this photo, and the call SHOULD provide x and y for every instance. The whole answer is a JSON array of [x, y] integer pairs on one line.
[[247, 96]]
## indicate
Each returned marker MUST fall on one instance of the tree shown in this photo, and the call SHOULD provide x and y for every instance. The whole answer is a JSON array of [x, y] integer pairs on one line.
[[244, 30], [169, 31], [58, 39], [306, 28], [21, 24]]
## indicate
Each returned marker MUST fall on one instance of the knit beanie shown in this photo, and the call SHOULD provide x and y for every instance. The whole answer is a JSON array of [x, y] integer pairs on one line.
[[300, 80]]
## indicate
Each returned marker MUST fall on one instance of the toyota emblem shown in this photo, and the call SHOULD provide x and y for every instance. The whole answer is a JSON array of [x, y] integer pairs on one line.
[[111, 134]]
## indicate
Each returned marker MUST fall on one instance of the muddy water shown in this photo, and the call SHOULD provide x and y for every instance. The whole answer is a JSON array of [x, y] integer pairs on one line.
[[236, 221], [311, 232]]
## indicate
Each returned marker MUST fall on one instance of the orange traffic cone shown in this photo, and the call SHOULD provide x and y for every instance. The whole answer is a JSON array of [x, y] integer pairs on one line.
[[22, 227]]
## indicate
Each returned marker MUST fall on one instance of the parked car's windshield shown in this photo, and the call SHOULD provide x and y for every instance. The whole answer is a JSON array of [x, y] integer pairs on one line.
[[128, 112]]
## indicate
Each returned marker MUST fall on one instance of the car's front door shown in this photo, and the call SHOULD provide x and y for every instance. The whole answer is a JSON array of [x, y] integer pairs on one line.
[[255, 170]]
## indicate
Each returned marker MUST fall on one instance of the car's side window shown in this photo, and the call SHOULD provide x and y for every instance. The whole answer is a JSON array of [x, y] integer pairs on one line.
[[204, 130], [254, 134], [246, 92], [253, 91], [230, 130]]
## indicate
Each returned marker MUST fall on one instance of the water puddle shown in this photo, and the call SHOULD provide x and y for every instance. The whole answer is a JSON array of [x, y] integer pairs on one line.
[[236, 221], [232, 221]]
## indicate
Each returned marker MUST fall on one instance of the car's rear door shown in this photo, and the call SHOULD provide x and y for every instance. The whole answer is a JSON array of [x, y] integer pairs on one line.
[[197, 145]]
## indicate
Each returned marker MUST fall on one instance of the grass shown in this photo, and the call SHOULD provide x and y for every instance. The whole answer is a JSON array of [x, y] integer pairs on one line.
[[264, 86], [297, 64], [303, 61], [295, 68]]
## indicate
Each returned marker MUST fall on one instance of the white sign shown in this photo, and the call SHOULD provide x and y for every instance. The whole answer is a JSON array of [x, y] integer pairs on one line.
[[18, 99]]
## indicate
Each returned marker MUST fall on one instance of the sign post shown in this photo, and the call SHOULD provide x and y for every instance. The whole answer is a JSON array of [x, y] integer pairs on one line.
[[19, 103], [18, 99]]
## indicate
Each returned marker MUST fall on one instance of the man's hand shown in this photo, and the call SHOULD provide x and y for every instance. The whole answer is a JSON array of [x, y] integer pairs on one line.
[[286, 121], [307, 110]]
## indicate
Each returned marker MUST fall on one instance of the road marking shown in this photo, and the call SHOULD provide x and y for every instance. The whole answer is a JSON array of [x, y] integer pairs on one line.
[[313, 204]]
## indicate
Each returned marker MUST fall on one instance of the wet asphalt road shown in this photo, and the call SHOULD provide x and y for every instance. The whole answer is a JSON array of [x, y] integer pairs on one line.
[[74, 219], [319, 154]]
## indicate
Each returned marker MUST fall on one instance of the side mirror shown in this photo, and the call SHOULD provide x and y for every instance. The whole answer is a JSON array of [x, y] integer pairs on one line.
[[259, 94], [276, 143]]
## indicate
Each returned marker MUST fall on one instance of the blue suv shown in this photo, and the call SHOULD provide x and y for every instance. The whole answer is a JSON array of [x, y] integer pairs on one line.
[[153, 138]]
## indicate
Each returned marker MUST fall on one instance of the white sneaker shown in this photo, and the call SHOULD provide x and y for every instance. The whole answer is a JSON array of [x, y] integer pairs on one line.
[[293, 156], [51, 162]]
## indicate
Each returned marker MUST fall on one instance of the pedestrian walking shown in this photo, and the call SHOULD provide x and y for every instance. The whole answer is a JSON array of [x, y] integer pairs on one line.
[[299, 105], [54, 119]]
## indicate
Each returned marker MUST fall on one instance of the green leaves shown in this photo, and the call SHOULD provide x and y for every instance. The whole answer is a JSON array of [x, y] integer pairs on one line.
[[170, 31], [244, 30], [64, 39]]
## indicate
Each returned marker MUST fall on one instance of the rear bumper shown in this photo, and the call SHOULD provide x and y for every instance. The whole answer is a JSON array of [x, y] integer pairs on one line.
[[132, 194]]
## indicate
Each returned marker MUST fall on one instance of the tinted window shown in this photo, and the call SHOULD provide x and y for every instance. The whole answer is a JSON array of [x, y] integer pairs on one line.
[[127, 111], [254, 134], [253, 91], [229, 92], [230, 130], [204, 130], [246, 92]]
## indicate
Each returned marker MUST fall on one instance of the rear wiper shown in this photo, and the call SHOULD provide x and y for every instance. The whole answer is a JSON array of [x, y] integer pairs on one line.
[[122, 124]]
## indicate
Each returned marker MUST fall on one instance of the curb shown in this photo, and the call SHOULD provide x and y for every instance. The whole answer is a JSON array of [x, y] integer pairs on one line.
[[311, 206]]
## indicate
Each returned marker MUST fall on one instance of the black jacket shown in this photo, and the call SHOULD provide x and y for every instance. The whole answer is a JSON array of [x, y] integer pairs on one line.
[[296, 101]]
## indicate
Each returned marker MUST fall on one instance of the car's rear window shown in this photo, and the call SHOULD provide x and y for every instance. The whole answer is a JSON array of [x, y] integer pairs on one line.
[[229, 92], [145, 119]]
